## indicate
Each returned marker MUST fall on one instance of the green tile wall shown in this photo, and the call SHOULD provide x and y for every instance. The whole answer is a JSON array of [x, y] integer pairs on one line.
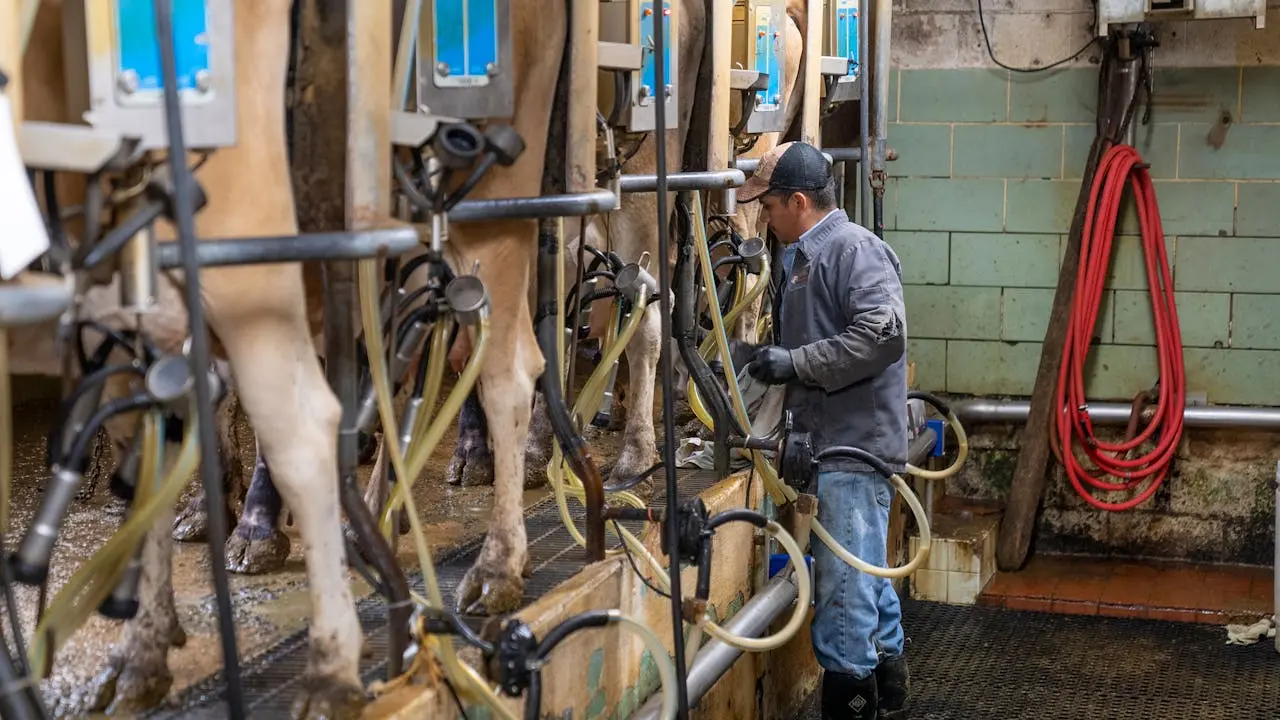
[[979, 205]]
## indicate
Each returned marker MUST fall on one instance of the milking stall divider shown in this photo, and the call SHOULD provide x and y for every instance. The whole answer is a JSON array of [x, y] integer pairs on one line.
[[454, 73]]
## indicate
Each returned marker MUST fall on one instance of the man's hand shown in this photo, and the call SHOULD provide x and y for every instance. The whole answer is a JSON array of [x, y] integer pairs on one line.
[[772, 364]]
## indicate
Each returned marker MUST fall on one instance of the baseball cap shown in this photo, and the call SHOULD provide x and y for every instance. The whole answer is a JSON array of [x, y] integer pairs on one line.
[[793, 166]]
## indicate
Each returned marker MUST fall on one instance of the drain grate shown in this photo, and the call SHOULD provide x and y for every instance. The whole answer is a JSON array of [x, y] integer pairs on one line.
[[977, 662], [269, 680]]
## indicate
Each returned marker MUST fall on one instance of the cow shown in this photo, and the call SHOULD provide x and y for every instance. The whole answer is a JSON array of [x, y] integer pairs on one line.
[[259, 324], [484, 455], [632, 232]]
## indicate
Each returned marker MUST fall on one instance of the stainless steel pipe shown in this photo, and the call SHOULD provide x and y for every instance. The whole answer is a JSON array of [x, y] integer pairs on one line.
[[335, 246], [1196, 416], [533, 208], [677, 182], [715, 658]]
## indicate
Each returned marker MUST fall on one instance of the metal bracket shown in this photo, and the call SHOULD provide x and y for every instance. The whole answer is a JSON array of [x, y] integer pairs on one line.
[[619, 56], [59, 147]]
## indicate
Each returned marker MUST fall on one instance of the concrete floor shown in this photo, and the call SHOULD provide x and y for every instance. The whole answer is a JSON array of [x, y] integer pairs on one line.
[[267, 607]]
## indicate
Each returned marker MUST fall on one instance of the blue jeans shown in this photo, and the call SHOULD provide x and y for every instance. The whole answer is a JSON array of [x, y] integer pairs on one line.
[[858, 618]]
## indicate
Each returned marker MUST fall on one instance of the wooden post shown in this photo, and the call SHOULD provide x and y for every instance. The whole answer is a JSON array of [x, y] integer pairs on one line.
[[342, 180], [720, 30], [584, 53], [1029, 474], [810, 128]]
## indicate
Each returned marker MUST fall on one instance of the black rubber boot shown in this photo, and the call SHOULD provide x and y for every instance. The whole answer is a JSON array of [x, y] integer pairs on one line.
[[845, 697], [893, 684]]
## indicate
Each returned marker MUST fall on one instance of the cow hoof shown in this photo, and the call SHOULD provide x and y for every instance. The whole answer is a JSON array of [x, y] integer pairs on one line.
[[192, 523], [254, 550], [634, 460], [489, 591], [328, 700], [130, 688], [471, 467]]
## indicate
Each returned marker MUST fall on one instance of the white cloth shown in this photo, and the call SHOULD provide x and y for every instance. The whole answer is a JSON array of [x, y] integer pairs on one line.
[[1250, 634], [764, 405]]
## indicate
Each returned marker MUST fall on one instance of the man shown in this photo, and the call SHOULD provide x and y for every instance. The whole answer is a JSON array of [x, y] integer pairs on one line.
[[843, 333]]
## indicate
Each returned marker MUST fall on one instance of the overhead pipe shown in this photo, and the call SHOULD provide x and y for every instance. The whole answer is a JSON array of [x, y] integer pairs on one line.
[[1198, 416]]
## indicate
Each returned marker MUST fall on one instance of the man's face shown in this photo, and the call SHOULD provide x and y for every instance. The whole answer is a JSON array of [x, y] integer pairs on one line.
[[784, 213]]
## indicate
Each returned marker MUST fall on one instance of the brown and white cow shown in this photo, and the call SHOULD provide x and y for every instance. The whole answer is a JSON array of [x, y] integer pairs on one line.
[[258, 315]]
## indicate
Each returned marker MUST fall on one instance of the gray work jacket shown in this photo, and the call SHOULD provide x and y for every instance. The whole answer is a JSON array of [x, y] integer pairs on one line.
[[844, 321]]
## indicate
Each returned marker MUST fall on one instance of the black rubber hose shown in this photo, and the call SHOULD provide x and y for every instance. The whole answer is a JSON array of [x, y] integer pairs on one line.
[[853, 453], [938, 404], [712, 393], [57, 432], [184, 210], [18, 697], [111, 243], [668, 379], [571, 443]]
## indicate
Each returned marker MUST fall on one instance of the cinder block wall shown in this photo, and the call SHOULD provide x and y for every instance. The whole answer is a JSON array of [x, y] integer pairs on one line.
[[978, 208]]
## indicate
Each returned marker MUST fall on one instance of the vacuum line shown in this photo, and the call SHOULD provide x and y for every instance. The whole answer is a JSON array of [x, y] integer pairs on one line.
[[209, 470]]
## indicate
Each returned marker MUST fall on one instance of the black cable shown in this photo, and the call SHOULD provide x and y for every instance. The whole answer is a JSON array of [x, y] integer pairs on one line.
[[632, 561], [986, 38], [664, 360], [183, 184]]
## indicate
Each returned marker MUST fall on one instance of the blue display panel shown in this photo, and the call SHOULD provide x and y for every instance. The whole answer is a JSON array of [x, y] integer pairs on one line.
[[465, 41], [768, 44], [847, 32], [137, 54], [648, 69]]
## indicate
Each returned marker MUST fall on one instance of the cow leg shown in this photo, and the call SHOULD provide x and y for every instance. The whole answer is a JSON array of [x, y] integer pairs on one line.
[[495, 584], [191, 524], [258, 546], [472, 462], [296, 418], [137, 676], [538, 449], [638, 451]]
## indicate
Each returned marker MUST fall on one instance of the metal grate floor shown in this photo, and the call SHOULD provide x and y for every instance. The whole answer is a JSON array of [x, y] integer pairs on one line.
[[971, 663], [269, 678]]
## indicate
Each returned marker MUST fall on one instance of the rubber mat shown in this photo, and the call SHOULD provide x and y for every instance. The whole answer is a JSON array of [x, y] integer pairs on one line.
[[269, 679], [975, 663]]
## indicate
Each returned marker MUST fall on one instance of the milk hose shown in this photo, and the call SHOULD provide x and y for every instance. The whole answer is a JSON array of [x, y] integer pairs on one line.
[[97, 577], [773, 484], [562, 478], [564, 483], [704, 623], [962, 439], [462, 676]]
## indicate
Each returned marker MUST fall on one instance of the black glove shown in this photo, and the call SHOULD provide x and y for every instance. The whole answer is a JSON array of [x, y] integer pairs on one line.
[[772, 364]]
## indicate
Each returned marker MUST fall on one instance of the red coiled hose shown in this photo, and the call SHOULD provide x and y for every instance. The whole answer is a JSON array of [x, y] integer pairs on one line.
[[1119, 165]]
